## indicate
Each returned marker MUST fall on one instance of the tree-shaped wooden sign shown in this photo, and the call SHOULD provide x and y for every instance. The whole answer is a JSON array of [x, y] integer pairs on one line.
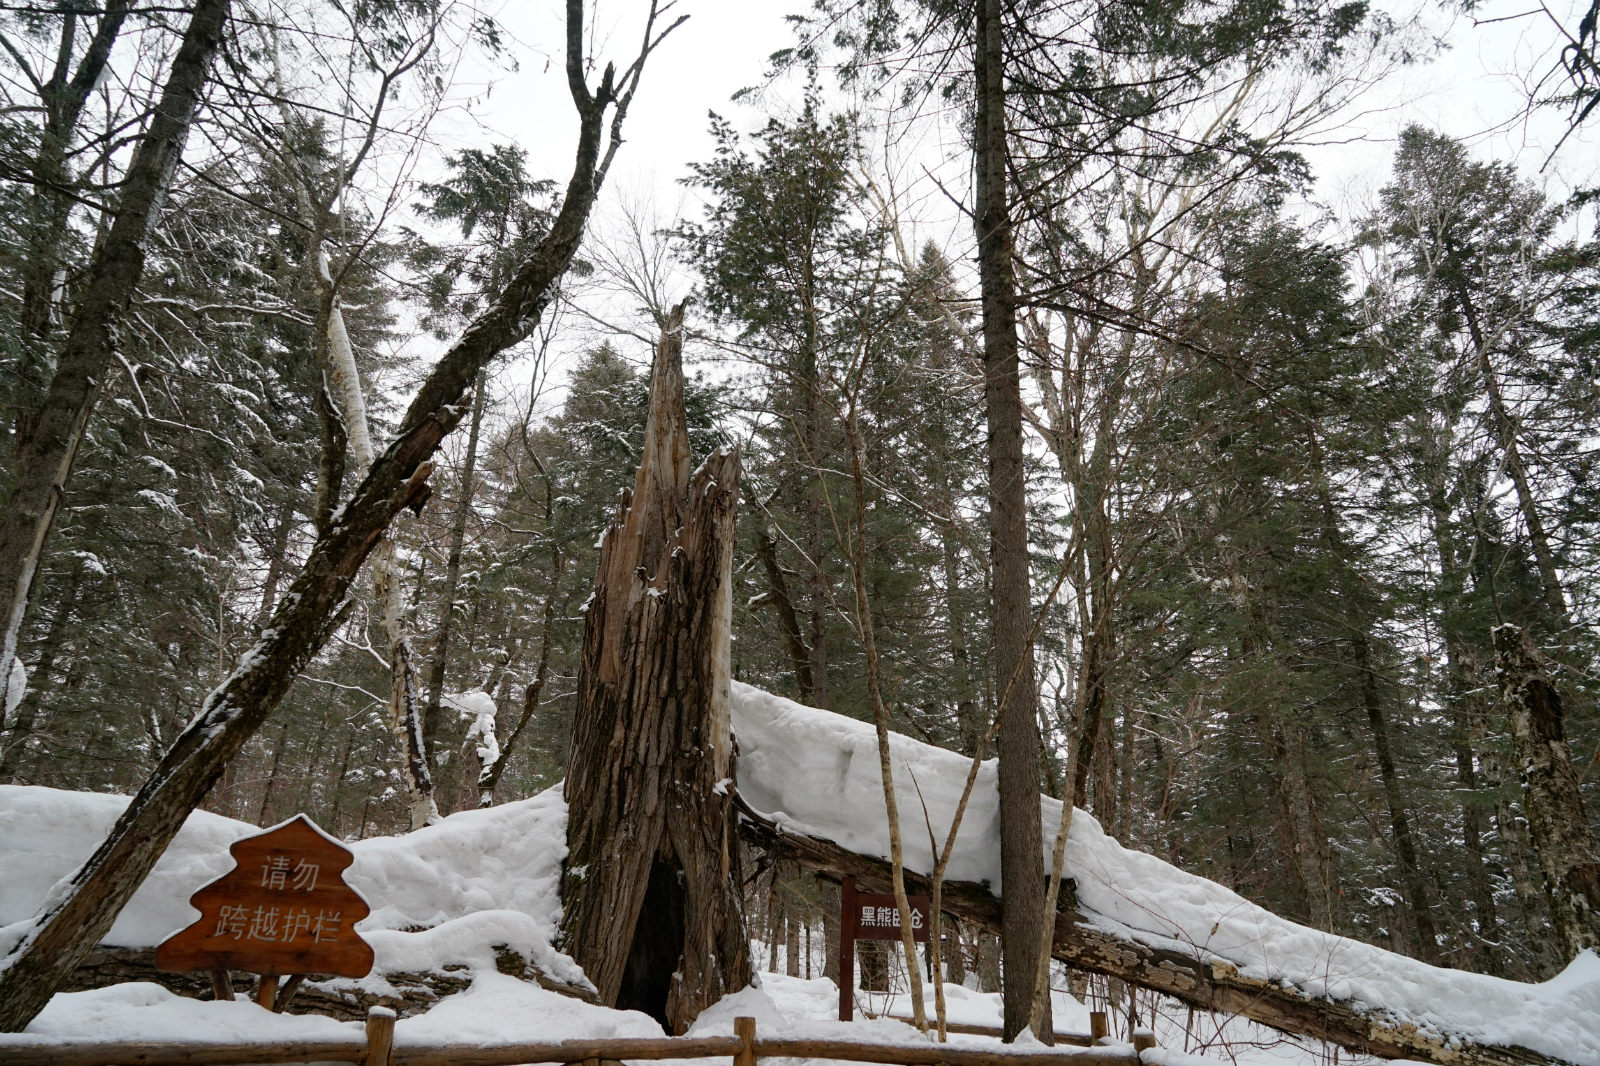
[[283, 909]]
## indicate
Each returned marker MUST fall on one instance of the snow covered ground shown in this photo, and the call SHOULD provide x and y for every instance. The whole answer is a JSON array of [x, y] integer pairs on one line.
[[483, 878], [479, 879]]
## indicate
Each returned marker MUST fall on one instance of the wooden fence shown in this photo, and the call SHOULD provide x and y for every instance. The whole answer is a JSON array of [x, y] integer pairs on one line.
[[378, 1049]]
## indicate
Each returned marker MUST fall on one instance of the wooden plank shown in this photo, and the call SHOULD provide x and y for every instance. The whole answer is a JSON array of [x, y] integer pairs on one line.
[[934, 1054], [664, 1047], [710, 1047], [168, 1054], [153, 1053], [1062, 1038]]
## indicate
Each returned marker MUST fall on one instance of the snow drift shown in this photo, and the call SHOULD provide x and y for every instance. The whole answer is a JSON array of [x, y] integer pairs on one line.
[[443, 895], [815, 772]]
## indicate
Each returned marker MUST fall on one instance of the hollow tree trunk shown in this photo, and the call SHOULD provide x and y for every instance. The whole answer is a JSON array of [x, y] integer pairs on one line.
[[1556, 818], [651, 891]]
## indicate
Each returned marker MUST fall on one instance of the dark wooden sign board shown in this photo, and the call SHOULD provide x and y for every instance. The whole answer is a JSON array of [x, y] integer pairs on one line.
[[283, 909], [871, 916]]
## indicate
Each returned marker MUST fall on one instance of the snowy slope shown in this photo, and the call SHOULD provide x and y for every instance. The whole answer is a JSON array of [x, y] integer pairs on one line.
[[477, 879], [817, 773]]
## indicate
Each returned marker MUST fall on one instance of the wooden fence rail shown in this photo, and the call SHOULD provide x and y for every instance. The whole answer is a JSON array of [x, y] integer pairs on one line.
[[378, 1050]]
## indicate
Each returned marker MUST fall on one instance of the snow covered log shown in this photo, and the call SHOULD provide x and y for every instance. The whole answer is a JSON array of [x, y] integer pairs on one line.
[[652, 892], [808, 784]]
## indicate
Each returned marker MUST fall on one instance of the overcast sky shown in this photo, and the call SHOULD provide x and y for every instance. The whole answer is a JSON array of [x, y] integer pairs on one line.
[[1476, 89]]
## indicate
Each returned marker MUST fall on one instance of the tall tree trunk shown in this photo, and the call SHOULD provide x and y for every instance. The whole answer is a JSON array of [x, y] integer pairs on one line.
[[873, 955], [1021, 833], [489, 776], [51, 201], [1560, 827], [268, 809], [791, 925], [46, 454], [77, 916], [828, 892], [1404, 846], [788, 619], [452, 576], [1463, 683], [276, 558], [653, 906], [1505, 429], [16, 732], [954, 958]]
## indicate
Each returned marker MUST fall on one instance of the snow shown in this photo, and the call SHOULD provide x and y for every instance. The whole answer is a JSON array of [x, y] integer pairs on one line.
[[16, 686], [498, 1009], [141, 1010], [449, 893], [816, 773], [479, 706], [474, 880]]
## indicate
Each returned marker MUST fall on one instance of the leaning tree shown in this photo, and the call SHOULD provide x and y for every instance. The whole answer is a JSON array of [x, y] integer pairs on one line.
[[651, 892]]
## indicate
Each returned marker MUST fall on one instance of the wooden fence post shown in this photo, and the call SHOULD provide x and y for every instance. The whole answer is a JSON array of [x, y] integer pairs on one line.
[[267, 990], [286, 993], [745, 1030], [1097, 1026], [1143, 1039], [380, 1035], [221, 986]]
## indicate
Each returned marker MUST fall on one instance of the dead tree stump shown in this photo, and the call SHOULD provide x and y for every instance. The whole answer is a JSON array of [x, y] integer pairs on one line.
[[651, 890]]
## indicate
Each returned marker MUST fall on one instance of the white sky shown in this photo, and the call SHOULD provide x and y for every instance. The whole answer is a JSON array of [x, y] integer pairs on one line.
[[1476, 90]]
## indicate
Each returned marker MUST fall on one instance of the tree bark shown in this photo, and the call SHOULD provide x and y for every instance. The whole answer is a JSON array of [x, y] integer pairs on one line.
[[1021, 834], [828, 892], [79, 915], [50, 205], [1405, 848], [788, 619], [1506, 430], [653, 907], [1560, 827], [452, 575], [47, 452], [14, 734]]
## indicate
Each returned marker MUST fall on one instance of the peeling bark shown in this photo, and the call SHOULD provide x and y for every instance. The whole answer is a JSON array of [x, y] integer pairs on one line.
[[1551, 795]]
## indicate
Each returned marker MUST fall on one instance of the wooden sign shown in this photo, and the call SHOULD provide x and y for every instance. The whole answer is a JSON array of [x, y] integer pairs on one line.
[[871, 916], [283, 909]]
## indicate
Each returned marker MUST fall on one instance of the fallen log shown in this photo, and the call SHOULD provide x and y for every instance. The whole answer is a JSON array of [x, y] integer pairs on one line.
[[1210, 984], [414, 992]]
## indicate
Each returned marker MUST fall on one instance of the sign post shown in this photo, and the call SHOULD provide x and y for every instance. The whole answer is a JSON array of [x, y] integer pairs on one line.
[[871, 916], [284, 909]]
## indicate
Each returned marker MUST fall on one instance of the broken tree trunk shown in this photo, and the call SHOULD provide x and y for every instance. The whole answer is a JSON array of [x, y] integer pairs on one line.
[[1550, 793], [1211, 984], [651, 891]]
